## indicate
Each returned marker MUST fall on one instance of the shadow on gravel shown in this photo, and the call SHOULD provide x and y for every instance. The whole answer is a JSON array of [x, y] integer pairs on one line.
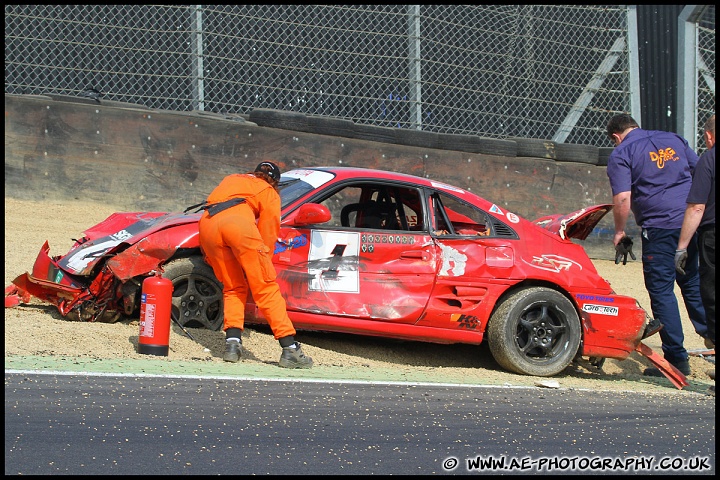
[[401, 352]]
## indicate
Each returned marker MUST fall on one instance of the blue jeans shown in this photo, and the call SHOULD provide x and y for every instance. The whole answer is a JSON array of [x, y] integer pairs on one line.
[[658, 257]]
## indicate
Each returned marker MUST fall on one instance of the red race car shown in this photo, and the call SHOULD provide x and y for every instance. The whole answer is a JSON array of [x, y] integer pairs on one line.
[[373, 253]]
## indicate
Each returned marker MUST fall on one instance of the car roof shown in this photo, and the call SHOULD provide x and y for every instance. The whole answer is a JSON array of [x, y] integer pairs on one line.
[[343, 173]]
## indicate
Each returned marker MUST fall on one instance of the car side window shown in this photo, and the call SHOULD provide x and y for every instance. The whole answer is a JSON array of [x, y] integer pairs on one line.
[[375, 206], [453, 217], [337, 201]]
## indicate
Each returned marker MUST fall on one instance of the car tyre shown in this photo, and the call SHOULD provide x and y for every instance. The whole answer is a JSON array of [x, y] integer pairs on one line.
[[535, 331], [197, 294]]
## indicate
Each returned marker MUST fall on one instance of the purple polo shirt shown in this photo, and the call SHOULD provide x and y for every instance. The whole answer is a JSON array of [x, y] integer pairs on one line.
[[656, 168], [703, 186]]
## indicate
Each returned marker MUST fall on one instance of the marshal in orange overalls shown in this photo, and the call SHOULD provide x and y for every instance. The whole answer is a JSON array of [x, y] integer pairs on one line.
[[238, 243]]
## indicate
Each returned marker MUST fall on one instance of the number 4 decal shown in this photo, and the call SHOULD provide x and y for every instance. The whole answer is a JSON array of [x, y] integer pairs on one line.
[[334, 253], [332, 271]]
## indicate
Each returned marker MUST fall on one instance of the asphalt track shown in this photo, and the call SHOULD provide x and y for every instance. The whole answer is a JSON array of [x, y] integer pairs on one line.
[[154, 423]]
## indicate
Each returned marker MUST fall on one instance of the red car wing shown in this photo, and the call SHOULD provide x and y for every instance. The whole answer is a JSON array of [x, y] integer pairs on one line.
[[577, 224], [119, 229]]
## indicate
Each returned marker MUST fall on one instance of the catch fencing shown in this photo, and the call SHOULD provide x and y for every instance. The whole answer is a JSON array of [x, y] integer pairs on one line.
[[499, 71]]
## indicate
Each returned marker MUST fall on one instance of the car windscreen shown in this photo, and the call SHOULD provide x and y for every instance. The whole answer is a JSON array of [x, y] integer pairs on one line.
[[297, 183], [292, 189]]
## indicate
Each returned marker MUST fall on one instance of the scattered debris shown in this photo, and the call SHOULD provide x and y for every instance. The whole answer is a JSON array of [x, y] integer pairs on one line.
[[702, 352], [547, 384]]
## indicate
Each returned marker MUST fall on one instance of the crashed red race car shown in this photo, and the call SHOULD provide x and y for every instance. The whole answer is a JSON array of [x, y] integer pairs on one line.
[[374, 253]]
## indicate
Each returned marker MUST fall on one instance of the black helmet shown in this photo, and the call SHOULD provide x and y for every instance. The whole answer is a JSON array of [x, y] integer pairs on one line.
[[270, 168]]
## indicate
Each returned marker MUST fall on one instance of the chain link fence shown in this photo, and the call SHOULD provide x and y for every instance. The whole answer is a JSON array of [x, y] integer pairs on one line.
[[499, 71], [705, 66]]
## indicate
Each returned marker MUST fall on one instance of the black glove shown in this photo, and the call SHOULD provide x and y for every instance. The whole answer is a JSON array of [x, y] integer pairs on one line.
[[623, 249], [680, 259]]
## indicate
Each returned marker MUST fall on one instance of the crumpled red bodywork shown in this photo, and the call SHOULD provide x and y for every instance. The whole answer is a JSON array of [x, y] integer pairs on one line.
[[134, 244]]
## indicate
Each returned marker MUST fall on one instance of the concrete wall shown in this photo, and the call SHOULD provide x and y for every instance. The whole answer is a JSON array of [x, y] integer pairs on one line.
[[141, 159]]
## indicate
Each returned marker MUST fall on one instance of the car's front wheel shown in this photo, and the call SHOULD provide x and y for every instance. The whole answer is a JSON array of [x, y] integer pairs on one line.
[[197, 294], [535, 331]]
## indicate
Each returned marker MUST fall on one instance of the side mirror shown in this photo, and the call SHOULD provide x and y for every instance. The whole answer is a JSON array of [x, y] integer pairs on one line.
[[308, 214]]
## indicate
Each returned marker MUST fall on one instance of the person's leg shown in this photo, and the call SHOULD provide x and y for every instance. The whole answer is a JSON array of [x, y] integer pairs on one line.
[[690, 288], [706, 246], [228, 271], [658, 257], [254, 257]]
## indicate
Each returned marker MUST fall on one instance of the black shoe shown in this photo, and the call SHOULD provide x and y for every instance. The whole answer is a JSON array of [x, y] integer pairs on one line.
[[683, 366], [652, 328], [709, 344], [294, 358], [233, 351]]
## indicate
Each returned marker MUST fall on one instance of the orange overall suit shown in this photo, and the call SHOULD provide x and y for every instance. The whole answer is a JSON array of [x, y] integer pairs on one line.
[[238, 243]]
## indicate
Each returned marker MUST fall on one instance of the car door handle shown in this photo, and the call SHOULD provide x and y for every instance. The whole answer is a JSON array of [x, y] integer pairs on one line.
[[415, 254]]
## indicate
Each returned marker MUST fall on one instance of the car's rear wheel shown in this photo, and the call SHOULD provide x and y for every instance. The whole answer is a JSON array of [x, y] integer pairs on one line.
[[197, 293], [535, 331]]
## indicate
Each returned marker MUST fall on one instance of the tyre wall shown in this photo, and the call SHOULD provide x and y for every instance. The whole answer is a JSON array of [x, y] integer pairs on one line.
[[65, 148]]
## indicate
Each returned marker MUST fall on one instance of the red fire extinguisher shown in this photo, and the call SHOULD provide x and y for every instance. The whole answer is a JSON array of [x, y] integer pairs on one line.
[[155, 308]]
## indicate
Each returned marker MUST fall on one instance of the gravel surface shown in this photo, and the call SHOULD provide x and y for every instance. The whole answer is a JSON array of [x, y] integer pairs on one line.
[[38, 329]]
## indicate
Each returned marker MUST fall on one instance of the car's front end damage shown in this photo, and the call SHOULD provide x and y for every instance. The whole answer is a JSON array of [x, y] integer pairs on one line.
[[100, 277], [604, 336]]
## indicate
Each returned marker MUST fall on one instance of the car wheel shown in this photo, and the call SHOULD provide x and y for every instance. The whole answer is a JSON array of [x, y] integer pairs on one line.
[[197, 293], [535, 331]]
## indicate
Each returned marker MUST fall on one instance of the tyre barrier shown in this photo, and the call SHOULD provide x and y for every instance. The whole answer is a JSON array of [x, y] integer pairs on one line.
[[335, 127], [72, 99], [510, 147], [535, 147], [578, 153], [286, 120], [604, 154], [219, 116], [416, 138], [476, 144], [92, 101], [374, 133]]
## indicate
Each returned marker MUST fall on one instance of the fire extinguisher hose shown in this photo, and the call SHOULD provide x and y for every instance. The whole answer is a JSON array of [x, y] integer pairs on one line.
[[182, 328]]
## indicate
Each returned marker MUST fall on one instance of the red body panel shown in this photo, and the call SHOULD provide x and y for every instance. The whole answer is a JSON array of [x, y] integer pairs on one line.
[[577, 224]]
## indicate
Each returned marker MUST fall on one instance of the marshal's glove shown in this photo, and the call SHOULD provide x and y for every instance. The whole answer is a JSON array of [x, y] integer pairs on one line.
[[623, 249], [680, 259]]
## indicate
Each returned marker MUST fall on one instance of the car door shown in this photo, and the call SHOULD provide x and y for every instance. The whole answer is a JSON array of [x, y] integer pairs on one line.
[[476, 263], [374, 259]]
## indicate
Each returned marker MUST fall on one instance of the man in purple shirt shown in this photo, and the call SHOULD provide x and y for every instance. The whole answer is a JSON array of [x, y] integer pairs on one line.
[[700, 217], [650, 174]]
